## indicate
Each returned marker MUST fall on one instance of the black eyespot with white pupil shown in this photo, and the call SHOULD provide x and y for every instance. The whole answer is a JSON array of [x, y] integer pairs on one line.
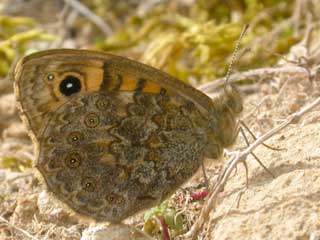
[[89, 184], [70, 85], [73, 160], [74, 138], [50, 77]]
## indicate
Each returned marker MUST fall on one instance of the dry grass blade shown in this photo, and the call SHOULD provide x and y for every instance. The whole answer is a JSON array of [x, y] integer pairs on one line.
[[6, 84], [90, 16], [239, 157], [2, 219]]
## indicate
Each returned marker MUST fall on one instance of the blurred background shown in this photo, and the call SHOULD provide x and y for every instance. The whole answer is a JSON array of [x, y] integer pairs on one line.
[[190, 39]]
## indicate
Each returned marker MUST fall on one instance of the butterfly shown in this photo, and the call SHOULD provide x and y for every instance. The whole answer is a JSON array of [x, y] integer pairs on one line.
[[113, 136]]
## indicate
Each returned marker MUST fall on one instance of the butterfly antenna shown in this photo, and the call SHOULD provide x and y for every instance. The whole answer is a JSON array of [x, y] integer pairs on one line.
[[235, 53]]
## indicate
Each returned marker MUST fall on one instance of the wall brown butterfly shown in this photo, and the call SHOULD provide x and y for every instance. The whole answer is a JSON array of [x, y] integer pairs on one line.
[[113, 136]]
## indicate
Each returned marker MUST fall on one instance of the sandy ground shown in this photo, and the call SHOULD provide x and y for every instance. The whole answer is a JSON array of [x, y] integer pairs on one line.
[[284, 207]]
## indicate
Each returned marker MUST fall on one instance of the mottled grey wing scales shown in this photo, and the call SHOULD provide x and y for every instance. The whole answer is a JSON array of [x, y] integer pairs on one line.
[[110, 155]]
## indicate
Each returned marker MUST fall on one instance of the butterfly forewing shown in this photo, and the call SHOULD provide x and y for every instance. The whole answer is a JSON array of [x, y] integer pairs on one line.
[[46, 80]]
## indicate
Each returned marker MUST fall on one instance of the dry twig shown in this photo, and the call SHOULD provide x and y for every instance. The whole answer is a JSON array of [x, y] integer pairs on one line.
[[241, 156], [254, 75], [2, 219]]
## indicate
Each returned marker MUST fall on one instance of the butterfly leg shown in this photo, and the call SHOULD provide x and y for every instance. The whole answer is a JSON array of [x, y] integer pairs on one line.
[[255, 138], [255, 156], [206, 181]]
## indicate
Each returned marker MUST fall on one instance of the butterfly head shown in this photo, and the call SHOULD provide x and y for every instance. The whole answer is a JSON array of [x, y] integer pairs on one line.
[[233, 98], [223, 126]]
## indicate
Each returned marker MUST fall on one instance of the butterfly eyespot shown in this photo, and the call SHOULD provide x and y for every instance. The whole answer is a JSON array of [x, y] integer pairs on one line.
[[110, 199], [73, 160], [75, 137], [70, 85], [50, 77], [102, 104], [92, 120], [88, 184], [113, 198]]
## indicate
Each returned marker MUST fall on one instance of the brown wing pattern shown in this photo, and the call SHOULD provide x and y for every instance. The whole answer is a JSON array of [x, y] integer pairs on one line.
[[110, 155], [114, 135], [42, 80]]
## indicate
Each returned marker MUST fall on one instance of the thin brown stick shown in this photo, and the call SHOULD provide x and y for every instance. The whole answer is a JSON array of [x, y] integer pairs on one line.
[[254, 75], [239, 157]]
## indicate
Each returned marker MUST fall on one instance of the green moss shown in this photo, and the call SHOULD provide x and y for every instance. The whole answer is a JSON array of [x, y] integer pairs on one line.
[[17, 33], [15, 164], [190, 41], [197, 41]]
